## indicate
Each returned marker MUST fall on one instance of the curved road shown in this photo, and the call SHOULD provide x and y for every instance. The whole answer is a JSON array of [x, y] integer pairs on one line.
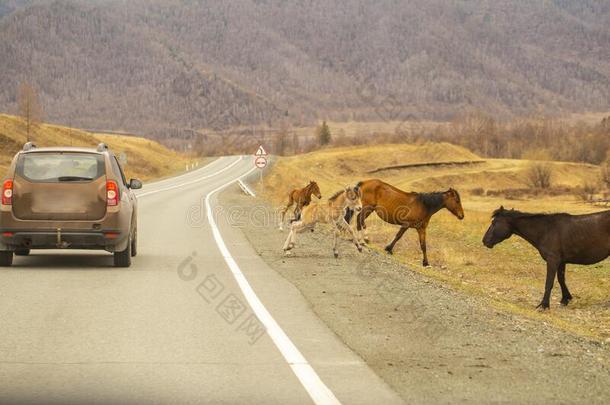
[[199, 318]]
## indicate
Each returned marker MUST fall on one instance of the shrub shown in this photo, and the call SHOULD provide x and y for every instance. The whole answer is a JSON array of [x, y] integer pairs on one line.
[[539, 175], [588, 191], [478, 191]]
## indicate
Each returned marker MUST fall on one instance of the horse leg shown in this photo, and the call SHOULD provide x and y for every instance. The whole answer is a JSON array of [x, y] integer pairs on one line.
[[283, 213], [422, 243], [343, 225], [287, 245], [361, 225], [297, 212], [390, 247], [335, 237], [291, 239], [551, 270], [566, 297], [297, 226]]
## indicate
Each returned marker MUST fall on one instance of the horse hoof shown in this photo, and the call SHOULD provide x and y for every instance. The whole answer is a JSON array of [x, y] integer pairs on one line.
[[366, 240], [427, 265], [287, 253], [360, 249], [543, 307], [389, 250], [336, 255], [565, 301]]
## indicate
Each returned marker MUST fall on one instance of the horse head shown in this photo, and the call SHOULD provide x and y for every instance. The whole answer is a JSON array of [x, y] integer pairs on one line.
[[453, 202], [315, 189], [501, 228], [353, 198]]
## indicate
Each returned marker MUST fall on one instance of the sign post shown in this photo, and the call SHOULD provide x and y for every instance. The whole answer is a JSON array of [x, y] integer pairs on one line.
[[260, 161]]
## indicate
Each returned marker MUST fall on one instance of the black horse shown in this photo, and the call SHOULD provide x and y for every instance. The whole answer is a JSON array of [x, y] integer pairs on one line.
[[559, 238]]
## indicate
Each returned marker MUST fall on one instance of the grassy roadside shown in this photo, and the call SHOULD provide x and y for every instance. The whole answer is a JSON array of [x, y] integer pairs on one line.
[[511, 276], [146, 159]]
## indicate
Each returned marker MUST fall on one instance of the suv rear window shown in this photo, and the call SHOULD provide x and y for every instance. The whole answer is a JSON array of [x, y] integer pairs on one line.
[[60, 167]]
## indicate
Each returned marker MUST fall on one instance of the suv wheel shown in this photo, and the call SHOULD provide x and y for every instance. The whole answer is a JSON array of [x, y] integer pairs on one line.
[[6, 259], [123, 259], [22, 252]]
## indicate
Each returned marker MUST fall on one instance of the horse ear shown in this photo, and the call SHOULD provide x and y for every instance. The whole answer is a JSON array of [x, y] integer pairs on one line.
[[501, 208]]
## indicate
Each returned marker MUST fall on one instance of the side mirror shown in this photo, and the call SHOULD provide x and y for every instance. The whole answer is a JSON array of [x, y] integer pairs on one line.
[[135, 184]]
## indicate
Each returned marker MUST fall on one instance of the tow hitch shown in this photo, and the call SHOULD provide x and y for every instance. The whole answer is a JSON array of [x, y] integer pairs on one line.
[[61, 244]]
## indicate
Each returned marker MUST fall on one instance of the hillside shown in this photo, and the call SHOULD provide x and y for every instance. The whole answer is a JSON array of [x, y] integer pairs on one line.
[[146, 159], [171, 67]]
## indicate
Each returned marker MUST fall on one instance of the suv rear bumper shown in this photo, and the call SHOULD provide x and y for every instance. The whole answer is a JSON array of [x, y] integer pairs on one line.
[[109, 240]]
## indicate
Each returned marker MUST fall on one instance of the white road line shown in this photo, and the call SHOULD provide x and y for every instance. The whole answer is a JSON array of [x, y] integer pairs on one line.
[[317, 390], [179, 176], [188, 183]]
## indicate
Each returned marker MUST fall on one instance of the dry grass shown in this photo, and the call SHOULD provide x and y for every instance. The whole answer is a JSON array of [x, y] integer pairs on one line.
[[146, 159], [511, 276]]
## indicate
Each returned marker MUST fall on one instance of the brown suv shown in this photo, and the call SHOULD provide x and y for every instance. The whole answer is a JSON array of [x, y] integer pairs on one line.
[[68, 198]]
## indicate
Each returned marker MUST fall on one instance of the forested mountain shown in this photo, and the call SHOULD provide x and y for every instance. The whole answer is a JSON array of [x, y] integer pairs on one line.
[[160, 66]]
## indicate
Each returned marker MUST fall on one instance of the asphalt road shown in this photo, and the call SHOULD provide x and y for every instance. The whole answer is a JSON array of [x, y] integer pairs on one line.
[[198, 318]]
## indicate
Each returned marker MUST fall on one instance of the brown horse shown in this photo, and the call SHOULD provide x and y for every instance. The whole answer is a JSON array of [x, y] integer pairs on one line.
[[302, 197], [409, 210], [331, 212], [559, 238]]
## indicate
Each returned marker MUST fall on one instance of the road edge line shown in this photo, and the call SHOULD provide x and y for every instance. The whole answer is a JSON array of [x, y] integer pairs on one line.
[[315, 387], [188, 183]]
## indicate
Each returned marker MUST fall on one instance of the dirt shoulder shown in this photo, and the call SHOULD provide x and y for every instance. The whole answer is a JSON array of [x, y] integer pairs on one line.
[[427, 341]]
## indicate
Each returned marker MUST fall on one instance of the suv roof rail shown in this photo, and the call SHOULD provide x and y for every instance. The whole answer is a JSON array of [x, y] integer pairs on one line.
[[29, 146], [102, 147]]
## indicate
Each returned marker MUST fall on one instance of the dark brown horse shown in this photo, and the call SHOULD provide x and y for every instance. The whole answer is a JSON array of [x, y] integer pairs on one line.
[[559, 238], [301, 197], [408, 210]]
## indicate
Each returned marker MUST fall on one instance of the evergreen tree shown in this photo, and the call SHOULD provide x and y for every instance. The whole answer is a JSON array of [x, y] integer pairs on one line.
[[324, 135]]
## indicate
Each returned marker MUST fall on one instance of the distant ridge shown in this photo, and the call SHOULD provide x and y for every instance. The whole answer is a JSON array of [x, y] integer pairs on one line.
[[152, 67]]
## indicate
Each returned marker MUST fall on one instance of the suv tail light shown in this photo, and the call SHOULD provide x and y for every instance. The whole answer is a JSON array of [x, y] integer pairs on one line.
[[7, 192], [112, 194]]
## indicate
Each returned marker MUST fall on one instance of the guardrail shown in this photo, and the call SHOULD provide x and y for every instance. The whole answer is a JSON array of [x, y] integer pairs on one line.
[[245, 188]]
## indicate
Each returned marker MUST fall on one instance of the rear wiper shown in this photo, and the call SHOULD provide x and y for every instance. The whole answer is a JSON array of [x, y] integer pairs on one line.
[[74, 178]]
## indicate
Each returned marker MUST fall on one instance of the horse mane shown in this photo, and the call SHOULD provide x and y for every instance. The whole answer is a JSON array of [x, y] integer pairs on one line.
[[512, 213], [432, 201], [336, 195], [356, 189], [309, 186]]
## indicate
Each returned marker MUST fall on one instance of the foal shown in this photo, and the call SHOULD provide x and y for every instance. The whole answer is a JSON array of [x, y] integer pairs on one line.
[[302, 197], [331, 212]]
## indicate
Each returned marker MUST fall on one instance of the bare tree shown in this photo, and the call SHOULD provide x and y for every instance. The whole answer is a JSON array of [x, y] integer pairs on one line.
[[30, 108], [605, 174]]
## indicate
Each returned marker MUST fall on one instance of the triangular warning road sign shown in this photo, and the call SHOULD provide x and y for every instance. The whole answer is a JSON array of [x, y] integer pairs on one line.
[[261, 151]]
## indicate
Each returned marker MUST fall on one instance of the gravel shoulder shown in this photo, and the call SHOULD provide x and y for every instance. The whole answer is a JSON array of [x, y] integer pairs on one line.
[[428, 342]]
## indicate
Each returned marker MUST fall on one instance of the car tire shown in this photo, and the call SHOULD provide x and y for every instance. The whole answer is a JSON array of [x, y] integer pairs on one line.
[[134, 244], [22, 252], [123, 259], [6, 259]]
